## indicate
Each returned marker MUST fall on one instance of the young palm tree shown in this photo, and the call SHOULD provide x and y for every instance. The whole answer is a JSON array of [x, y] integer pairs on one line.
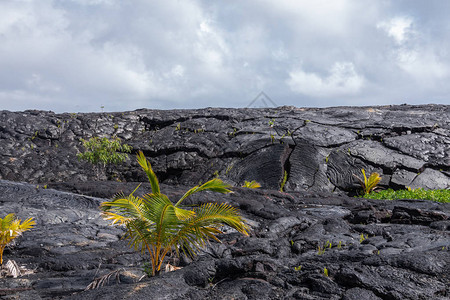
[[10, 228], [158, 226], [369, 183]]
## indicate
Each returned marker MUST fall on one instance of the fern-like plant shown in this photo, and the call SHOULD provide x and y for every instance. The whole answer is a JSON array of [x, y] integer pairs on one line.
[[370, 183], [251, 184], [158, 226], [10, 228]]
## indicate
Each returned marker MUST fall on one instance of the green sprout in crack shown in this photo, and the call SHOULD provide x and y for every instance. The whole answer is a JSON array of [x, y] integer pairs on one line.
[[272, 138], [370, 183], [229, 168], [251, 184], [283, 182], [298, 268], [325, 272], [320, 250]]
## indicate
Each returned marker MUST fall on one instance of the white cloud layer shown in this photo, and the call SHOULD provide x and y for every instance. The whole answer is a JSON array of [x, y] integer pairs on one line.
[[79, 55], [342, 80]]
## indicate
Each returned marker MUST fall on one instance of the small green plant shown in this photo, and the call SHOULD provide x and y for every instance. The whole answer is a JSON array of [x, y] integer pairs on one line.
[[251, 184], [339, 246], [156, 225], [320, 250], [369, 184], [11, 228], [325, 272], [283, 182], [298, 268], [272, 138], [229, 168], [216, 173], [362, 237], [147, 269], [178, 127], [419, 193], [104, 151], [116, 126], [34, 135]]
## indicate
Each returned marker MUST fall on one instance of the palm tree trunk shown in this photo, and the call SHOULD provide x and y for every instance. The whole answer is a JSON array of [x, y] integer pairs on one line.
[[1, 254]]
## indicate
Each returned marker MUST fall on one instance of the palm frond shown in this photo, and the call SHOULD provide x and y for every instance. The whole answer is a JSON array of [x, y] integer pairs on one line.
[[122, 209], [183, 214], [103, 280], [217, 214], [13, 268], [6, 222], [147, 167], [214, 185]]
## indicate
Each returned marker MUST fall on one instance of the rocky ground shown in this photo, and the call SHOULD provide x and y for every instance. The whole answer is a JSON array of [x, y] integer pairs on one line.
[[318, 150], [370, 249]]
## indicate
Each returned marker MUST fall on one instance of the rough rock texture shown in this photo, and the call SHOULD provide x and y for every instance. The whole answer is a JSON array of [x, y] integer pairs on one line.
[[319, 150], [371, 249]]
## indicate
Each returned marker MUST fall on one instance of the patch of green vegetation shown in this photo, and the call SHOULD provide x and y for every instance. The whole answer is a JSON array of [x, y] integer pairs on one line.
[[104, 151], [101, 152], [420, 193]]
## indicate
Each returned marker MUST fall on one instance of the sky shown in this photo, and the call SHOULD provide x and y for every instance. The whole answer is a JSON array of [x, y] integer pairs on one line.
[[115, 55]]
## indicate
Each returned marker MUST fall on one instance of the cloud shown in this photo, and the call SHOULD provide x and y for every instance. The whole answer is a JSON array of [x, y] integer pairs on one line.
[[398, 28], [341, 80], [77, 55]]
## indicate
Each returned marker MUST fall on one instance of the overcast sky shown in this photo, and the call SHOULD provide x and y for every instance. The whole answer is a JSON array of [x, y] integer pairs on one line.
[[80, 55]]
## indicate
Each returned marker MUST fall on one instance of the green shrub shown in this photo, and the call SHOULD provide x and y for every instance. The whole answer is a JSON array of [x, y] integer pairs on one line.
[[104, 151], [390, 194]]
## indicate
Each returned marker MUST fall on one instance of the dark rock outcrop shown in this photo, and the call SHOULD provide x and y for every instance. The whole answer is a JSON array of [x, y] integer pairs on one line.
[[318, 150], [371, 249]]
